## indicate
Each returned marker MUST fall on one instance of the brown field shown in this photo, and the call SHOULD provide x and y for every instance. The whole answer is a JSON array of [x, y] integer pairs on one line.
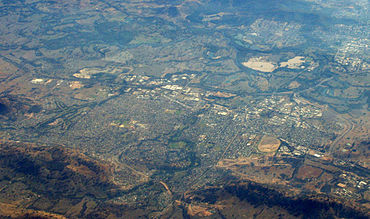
[[269, 144], [306, 172]]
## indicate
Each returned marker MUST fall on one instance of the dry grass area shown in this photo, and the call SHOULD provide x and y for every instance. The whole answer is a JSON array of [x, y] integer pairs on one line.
[[194, 210], [258, 169], [353, 140], [307, 172], [269, 144], [6, 69], [14, 211]]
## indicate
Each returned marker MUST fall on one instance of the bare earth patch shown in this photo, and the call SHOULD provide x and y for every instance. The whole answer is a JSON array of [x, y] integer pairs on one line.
[[294, 85], [75, 85], [294, 63], [259, 64]]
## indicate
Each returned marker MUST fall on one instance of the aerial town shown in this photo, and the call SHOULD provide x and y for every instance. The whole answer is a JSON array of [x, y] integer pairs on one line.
[[165, 109]]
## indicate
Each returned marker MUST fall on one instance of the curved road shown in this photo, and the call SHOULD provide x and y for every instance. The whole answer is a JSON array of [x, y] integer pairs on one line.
[[349, 127]]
